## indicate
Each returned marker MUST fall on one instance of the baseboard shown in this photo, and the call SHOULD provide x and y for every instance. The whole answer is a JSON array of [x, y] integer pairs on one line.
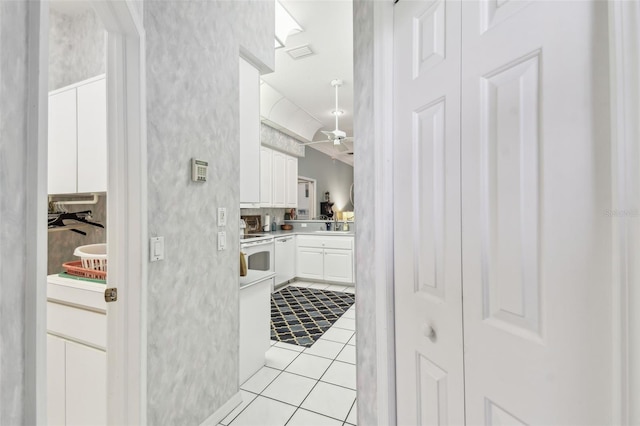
[[315, 280], [222, 412]]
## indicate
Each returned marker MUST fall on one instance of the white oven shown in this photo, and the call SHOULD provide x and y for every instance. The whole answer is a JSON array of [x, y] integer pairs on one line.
[[259, 252]]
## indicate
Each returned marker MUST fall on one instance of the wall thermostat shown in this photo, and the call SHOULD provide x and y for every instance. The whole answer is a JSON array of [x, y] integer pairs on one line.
[[199, 170]]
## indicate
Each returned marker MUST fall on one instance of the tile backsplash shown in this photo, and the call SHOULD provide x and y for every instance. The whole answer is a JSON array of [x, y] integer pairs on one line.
[[275, 214]]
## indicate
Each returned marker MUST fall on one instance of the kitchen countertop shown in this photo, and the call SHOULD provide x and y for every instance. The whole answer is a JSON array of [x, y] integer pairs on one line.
[[81, 293], [283, 233]]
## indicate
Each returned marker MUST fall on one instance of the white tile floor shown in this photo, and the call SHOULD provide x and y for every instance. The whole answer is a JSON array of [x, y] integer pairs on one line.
[[300, 386]]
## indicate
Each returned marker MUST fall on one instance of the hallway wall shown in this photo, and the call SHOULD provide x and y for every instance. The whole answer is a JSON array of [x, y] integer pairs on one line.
[[365, 201], [372, 28], [13, 208], [192, 100]]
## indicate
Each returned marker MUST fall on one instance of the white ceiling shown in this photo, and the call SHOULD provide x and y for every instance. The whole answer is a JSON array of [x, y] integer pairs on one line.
[[328, 30], [70, 7]]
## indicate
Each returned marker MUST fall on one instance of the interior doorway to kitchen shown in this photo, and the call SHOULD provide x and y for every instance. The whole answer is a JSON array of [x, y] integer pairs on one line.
[[306, 198]]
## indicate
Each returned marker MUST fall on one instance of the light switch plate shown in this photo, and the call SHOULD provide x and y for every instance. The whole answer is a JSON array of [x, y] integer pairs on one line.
[[156, 249], [222, 216], [222, 240]]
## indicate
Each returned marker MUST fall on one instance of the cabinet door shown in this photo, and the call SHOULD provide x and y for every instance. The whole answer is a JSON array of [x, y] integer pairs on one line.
[[62, 158], [310, 263], [266, 178], [92, 137], [249, 133], [266, 164], [279, 177], [86, 377], [338, 265], [55, 381], [291, 190]]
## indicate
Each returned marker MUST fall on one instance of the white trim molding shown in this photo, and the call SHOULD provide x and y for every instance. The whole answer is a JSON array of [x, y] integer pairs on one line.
[[35, 389], [384, 238], [126, 212], [624, 44], [223, 411]]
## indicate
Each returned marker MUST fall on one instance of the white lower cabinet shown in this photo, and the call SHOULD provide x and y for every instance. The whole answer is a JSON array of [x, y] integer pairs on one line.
[[76, 353], [310, 263], [76, 383], [255, 333], [86, 385], [338, 265], [325, 258], [56, 366]]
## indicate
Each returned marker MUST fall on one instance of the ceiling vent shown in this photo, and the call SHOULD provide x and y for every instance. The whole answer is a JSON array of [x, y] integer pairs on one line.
[[300, 51]]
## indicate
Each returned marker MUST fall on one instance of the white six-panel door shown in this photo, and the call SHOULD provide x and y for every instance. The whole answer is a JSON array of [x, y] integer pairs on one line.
[[428, 299], [535, 186], [501, 183]]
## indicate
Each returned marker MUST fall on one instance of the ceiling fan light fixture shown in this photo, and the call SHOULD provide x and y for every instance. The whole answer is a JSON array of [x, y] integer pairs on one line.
[[286, 25]]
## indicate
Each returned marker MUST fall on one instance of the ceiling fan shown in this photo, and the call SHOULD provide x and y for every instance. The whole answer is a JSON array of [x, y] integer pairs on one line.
[[337, 136]]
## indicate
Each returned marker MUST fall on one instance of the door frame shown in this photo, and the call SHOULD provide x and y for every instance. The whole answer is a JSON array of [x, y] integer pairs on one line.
[[624, 80], [314, 196], [377, 44], [126, 212]]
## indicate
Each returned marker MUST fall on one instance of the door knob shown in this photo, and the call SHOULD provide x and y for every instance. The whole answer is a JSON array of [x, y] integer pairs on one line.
[[430, 332]]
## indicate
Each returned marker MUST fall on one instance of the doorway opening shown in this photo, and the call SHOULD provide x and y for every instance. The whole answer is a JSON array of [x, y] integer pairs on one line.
[[77, 215], [306, 198], [95, 350]]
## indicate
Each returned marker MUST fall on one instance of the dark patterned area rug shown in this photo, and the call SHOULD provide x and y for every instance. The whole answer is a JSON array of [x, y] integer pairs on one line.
[[301, 315]]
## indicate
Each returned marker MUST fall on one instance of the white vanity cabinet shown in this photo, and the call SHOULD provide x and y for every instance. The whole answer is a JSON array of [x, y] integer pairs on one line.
[[326, 258], [76, 352], [77, 133]]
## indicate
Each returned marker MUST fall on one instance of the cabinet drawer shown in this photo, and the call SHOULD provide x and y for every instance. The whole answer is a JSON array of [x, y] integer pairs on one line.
[[77, 324], [345, 243]]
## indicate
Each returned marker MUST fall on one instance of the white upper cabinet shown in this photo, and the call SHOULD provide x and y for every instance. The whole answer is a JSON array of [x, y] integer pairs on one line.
[[250, 164], [63, 135], [266, 185], [278, 179], [291, 183], [92, 137], [78, 138]]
